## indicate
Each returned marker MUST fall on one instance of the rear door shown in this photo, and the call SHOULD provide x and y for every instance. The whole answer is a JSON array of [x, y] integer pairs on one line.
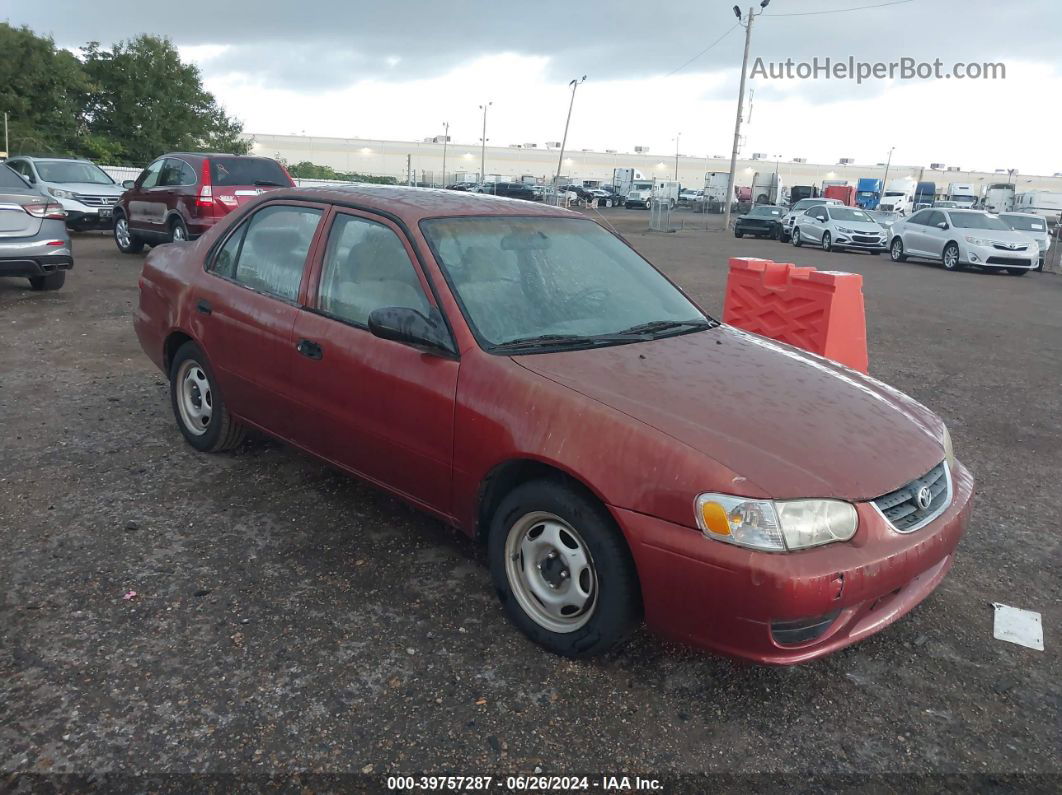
[[245, 306], [379, 408]]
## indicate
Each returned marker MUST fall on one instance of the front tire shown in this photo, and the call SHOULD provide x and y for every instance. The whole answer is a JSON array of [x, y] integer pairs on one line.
[[896, 251], [127, 242], [738, 234], [53, 281], [950, 258], [1017, 271], [562, 569], [178, 231], [198, 405], [795, 235], [827, 242]]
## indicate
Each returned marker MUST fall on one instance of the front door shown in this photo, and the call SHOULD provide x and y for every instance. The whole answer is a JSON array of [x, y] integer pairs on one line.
[[244, 307], [379, 408], [144, 212]]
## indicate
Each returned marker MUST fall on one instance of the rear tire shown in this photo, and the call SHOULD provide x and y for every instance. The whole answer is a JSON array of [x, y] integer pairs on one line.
[[127, 242], [198, 405], [53, 281], [577, 556]]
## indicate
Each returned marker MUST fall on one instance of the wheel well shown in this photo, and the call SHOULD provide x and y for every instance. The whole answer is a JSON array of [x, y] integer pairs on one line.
[[507, 476], [175, 216], [171, 346]]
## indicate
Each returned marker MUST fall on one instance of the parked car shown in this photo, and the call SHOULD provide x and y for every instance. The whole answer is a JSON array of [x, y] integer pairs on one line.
[[523, 374], [691, 196], [86, 192], [1033, 227], [463, 186], [604, 198], [581, 193], [34, 242], [510, 190], [785, 231], [958, 238], [764, 220], [944, 204], [182, 195], [885, 219], [836, 227]]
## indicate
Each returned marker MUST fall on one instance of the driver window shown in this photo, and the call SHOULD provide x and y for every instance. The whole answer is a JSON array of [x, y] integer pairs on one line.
[[150, 177], [366, 268]]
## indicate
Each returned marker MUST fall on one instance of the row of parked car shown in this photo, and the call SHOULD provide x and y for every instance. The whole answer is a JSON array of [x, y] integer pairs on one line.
[[606, 196], [955, 237]]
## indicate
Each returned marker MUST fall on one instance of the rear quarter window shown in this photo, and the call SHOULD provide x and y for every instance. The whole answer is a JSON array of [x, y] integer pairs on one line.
[[9, 178]]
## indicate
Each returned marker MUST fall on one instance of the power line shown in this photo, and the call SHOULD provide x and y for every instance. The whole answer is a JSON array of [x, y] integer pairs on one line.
[[702, 52], [839, 10]]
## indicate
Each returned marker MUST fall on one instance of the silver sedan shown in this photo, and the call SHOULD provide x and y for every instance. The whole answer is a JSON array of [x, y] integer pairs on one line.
[[34, 242]]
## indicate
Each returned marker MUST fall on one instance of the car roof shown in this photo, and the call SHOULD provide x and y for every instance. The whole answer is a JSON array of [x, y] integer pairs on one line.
[[414, 204], [1022, 215], [50, 158]]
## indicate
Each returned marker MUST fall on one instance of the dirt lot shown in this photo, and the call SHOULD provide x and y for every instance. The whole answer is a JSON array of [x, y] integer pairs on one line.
[[288, 618]]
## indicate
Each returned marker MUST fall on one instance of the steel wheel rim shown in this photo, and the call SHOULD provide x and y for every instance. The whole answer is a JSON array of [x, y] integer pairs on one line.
[[121, 232], [195, 398], [951, 256], [551, 572]]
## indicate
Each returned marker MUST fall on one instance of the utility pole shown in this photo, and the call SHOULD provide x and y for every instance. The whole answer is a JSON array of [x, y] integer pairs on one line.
[[7, 146], [677, 137], [747, 22], [483, 147], [885, 180], [446, 140], [564, 140]]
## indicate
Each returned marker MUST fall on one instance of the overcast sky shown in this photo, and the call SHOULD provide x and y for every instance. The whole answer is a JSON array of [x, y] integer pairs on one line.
[[400, 69]]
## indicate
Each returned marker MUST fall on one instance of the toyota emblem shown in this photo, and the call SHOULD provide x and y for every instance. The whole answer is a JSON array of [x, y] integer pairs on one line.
[[924, 497]]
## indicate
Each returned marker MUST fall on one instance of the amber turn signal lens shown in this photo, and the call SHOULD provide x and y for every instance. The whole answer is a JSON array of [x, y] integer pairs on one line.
[[715, 518]]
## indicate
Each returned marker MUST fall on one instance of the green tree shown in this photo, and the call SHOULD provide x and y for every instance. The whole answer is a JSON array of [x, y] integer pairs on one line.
[[143, 101], [43, 89], [308, 170]]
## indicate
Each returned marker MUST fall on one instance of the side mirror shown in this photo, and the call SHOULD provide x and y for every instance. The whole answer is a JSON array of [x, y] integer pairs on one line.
[[128, 183], [943, 225], [410, 327]]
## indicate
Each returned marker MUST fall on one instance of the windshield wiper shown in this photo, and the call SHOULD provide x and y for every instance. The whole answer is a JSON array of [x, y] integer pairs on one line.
[[654, 326], [563, 340], [268, 182]]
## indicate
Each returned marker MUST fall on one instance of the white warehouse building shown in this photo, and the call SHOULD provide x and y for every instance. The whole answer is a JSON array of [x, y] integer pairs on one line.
[[422, 161]]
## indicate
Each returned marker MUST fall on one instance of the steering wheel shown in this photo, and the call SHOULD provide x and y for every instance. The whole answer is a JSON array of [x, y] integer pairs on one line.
[[589, 295]]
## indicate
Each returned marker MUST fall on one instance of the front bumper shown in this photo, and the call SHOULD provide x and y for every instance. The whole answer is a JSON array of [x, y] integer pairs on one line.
[[738, 602], [771, 229], [90, 218], [992, 257], [858, 241]]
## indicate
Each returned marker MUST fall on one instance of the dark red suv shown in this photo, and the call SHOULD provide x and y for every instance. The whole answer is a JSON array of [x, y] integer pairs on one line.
[[181, 195]]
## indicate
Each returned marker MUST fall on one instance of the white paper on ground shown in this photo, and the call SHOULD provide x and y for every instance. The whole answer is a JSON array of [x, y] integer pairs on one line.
[[1018, 626]]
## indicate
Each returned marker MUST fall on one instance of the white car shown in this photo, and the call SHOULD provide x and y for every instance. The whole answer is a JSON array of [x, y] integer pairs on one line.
[[836, 227], [958, 238], [87, 193], [785, 231], [604, 198], [1033, 227]]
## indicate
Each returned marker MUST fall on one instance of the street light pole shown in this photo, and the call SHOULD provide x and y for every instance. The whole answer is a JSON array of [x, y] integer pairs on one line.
[[747, 22], [483, 147], [446, 140], [678, 135], [564, 140]]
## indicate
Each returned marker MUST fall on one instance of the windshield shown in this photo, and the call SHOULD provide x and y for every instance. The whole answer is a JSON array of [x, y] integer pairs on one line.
[[229, 171], [883, 215], [767, 212], [525, 278], [977, 221], [846, 214], [804, 204], [894, 193], [71, 171], [9, 178], [1022, 223]]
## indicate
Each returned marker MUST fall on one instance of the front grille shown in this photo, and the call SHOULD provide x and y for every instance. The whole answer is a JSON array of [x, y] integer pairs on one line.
[[865, 239], [901, 507], [96, 201], [1004, 247], [1008, 261]]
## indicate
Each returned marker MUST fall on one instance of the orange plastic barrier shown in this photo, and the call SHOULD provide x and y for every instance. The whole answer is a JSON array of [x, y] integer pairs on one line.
[[819, 311]]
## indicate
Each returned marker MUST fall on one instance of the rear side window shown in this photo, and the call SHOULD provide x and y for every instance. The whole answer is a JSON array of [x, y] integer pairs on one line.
[[366, 268], [268, 252], [247, 171], [11, 179]]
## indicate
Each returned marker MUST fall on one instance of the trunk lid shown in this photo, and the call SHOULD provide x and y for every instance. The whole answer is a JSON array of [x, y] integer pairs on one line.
[[14, 220]]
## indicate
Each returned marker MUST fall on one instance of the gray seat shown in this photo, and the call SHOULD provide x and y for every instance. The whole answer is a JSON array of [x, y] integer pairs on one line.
[[377, 273]]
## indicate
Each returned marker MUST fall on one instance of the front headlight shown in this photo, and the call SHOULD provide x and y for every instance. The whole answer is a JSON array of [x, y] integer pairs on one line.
[[775, 525], [977, 241], [949, 452], [59, 193], [846, 230]]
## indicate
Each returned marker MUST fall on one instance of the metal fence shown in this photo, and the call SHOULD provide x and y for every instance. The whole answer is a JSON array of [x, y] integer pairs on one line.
[[660, 216]]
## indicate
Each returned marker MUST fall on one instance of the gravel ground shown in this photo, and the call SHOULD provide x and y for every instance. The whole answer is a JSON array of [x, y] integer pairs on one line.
[[290, 619]]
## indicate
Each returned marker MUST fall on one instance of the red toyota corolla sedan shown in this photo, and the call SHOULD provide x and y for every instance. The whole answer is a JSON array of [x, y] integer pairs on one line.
[[523, 374]]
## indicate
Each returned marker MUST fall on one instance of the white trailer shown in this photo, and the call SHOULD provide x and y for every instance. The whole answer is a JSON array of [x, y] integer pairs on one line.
[[716, 184], [999, 198], [622, 178], [1046, 203], [963, 194]]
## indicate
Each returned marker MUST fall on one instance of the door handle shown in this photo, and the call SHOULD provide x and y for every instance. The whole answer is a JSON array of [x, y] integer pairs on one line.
[[203, 306], [310, 349]]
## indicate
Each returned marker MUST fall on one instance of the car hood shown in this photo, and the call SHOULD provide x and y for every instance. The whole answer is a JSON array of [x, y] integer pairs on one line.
[[1008, 236], [861, 226], [89, 188], [794, 424]]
